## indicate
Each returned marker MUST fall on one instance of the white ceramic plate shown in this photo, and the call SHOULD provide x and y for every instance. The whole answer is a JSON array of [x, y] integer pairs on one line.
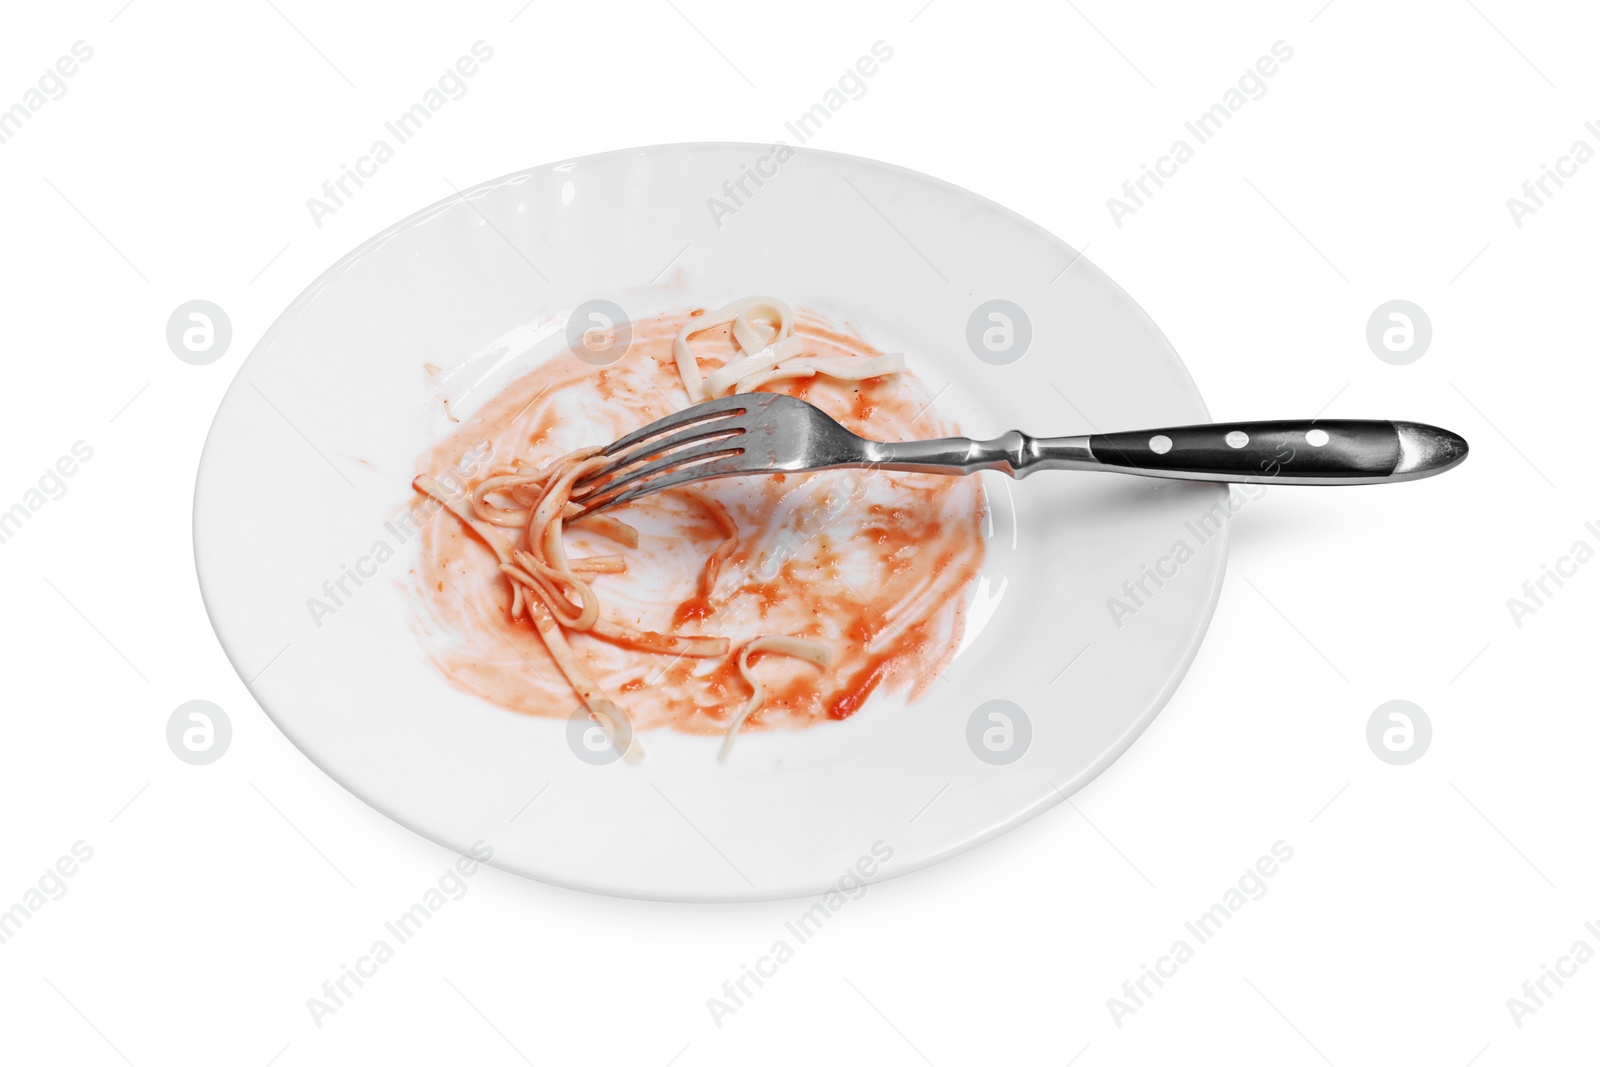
[[312, 452]]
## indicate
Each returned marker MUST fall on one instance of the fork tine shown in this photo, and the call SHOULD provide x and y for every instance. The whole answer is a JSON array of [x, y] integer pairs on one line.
[[734, 405], [712, 468], [718, 428], [711, 450]]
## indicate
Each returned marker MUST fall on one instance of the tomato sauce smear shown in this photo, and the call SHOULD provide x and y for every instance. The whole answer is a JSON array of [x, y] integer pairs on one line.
[[876, 565]]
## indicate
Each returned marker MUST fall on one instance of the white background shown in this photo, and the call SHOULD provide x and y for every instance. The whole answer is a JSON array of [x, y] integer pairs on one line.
[[1377, 166]]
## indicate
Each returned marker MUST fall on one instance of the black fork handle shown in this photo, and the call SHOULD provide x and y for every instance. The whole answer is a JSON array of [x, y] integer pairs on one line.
[[1283, 452], [1296, 452]]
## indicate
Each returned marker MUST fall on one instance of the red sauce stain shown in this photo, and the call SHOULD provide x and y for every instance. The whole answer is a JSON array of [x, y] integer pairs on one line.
[[696, 607], [876, 565]]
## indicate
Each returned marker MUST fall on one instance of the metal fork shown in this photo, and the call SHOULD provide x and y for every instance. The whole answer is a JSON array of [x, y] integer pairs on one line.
[[765, 433]]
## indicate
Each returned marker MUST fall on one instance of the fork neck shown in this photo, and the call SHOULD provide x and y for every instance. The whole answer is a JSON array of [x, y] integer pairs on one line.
[[1012, 453]]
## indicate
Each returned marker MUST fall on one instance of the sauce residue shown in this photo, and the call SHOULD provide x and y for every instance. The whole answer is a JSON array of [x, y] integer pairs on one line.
[[877, 565]]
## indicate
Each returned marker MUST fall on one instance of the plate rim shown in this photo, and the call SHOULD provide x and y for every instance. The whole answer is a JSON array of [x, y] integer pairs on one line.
[[1056, 794]]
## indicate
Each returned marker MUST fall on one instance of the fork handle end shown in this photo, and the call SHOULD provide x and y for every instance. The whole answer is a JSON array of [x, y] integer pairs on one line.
[[1290, 452]]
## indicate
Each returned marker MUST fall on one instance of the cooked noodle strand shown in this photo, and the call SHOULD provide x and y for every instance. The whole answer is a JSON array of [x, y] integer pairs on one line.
[[811, 651], [521, 515], [763, 359]]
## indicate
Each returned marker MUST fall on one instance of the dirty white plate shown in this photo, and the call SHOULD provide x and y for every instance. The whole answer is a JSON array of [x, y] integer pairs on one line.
[[312, 453]]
